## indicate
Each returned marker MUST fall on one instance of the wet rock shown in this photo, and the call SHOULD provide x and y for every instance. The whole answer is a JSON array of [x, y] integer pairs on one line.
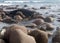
[[49, 26], [58, 20], [46, 26], [47, 13], [38, 21], [58, 14], [25, 5], [18, 18], [20, 13], [49, 33], [52, 15], [26, 12], [48, 19], [38, 16], [40, 36], [31, 25], [42, 7], [0, 18], [56, 36], [3, 14], [9, 20], [2, 41], [42, 27], [18, 36], [34, 8], [14, 26]]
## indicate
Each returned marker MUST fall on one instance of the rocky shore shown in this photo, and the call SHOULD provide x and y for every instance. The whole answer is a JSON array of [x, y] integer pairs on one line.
[[26, 25]]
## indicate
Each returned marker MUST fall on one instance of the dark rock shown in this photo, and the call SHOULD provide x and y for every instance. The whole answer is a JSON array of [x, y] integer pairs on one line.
[[26, 12], [56, 37], [25, 5], [48, 19], [58, 20], [42, 7]]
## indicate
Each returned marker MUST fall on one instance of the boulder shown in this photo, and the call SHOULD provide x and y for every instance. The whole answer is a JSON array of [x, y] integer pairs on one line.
[[49, 26], [18, 18], [48, 19], [43, 7], [38, 21], [17, 36], [20, 13], [56, 36], [39, 35], [31, 25], [26, 12], [9, 20], [38, 16]]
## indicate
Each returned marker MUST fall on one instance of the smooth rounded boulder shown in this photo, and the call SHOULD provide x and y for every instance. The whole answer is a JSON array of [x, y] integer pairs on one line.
[[18, 36], [18, 18], [15, 26], [46, 27], [5, 30], [49, 26], [38, 21], [40, 36], [38, 16]]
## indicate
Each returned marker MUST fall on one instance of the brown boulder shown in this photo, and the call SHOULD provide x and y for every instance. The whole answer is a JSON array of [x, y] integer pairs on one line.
[[38, 21], [49, 26], [21, 14], [46, 26], [18, 36], [23, 28], [40, 36], [14, 26], [38, 16], [18, 18]]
